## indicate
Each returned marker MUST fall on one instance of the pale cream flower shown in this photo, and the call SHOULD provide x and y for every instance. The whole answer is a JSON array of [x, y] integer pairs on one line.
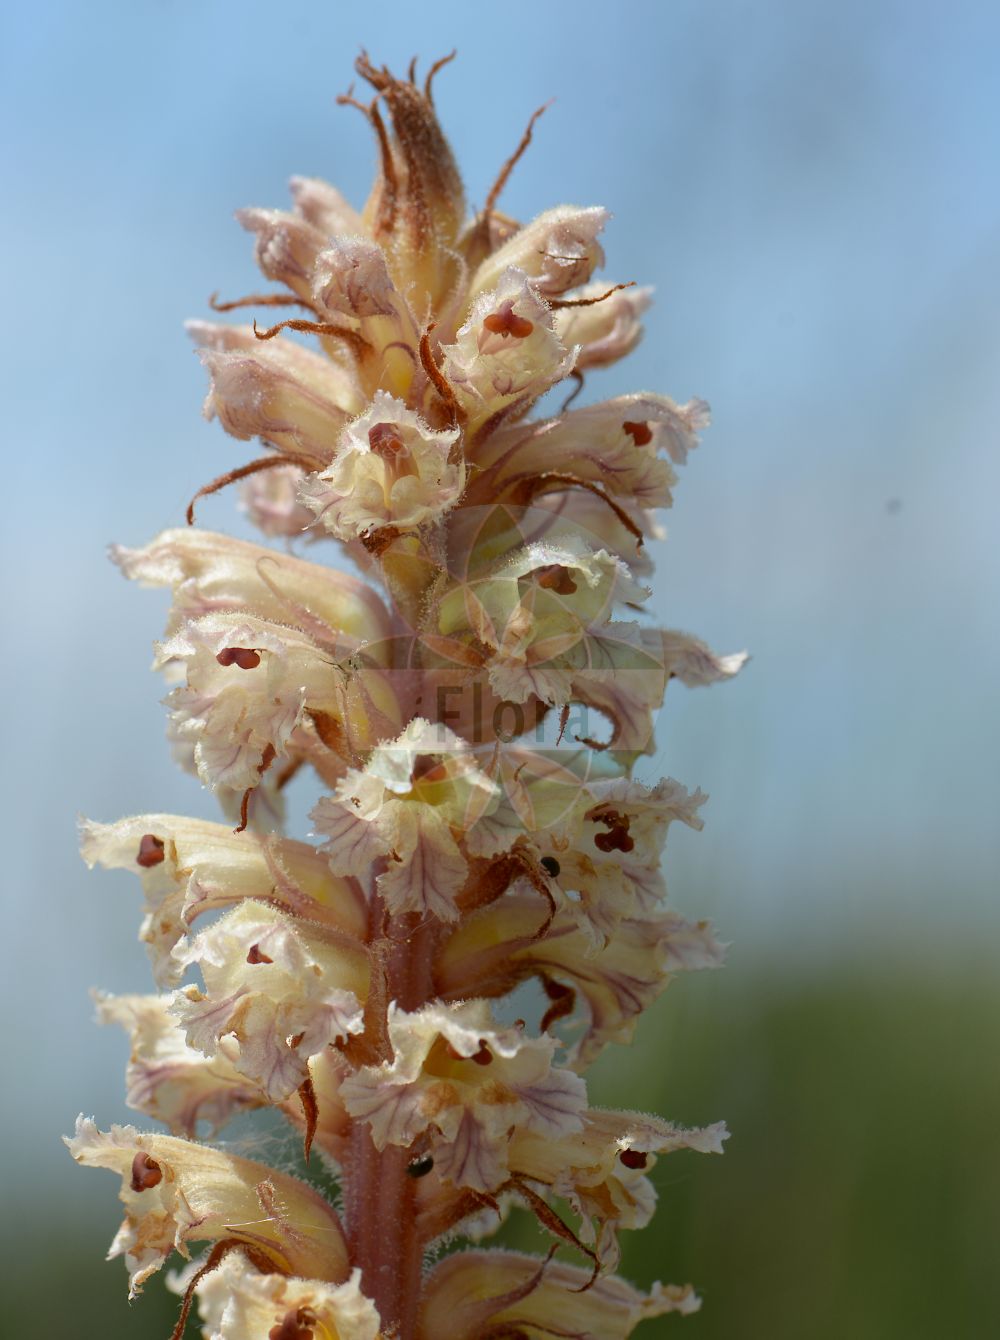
[[617, 446], [456, 1072], [237, 1302], [472, 1295], [209, 573], [610, 852], [288, 396], [506, 354], [284, 684], [605, 330], [597, 984], [176, 1192], [285, 246], [351, 278], [389, 469], [322, 205], [541, 614], [283, 995], [602, 1170], [557, 251], [243, 695], [170, 1081], [189, 867], [403, 816], [691, 661]]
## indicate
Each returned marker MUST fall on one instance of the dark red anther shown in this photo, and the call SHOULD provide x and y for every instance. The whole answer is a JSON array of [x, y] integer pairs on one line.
[[505, 321], [634, 1158], [146, 1172], [618, 838], [556, 578], [483, 1056], [550, 865], [385, 440], [256, 956], [245, 657], [150, 851], [295, 1325], [640, 432]]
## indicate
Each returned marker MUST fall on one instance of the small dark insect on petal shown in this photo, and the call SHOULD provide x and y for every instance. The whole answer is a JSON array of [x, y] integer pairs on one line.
[[420, 1166], [150, 851], [255, 955], [244, 657], [146, 1172], [634, 1158], [550, 865]]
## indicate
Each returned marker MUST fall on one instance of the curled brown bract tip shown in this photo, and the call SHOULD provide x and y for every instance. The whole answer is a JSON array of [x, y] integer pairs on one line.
[[556, 303], [548, 1218], [258, 1258], [563, 1000], [438, 65], [504, 174], [243, 472], [440, 382], [379, 78], [352, 338], [349, 100], [524, 489], [267, 759], [244, 810], [260, 300], [310, 1110], [576, 376], [386, 215], [489, 1307]]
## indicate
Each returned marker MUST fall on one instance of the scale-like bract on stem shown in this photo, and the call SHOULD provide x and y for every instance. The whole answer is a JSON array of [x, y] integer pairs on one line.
[[474, 705]]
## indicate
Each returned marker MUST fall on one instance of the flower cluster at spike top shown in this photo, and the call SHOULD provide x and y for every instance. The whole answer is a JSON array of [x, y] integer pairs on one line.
[[473, 704]]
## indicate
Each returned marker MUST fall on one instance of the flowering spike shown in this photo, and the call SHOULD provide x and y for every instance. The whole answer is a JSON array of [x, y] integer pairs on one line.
[[472, 709]]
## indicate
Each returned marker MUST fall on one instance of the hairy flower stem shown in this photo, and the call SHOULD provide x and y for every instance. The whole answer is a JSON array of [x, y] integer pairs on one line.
[[380, 1198], [381, 1230]]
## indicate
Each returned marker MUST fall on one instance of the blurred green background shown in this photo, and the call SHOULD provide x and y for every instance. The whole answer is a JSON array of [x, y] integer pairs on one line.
[[813, 189]]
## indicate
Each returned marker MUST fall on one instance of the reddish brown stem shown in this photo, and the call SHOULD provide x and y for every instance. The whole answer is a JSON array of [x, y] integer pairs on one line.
[[382, 1230], [380, 1198]]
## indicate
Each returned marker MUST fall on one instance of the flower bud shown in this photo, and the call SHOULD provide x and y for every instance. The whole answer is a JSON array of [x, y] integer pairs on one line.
[[557, 251]]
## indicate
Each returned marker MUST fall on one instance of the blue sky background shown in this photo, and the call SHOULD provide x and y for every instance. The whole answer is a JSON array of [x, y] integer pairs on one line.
[[813, 189]]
